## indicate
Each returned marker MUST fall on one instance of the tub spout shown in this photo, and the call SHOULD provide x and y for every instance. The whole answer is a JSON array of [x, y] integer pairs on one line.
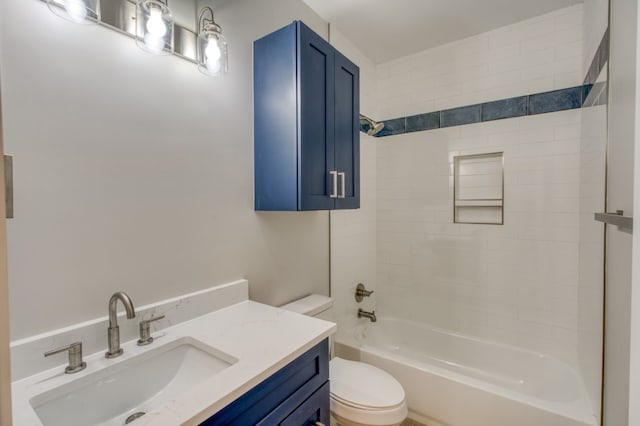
[[365, 314]]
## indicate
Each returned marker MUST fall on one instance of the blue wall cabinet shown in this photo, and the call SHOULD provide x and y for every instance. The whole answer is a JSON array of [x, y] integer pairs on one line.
[[306, 123], [296, 395]]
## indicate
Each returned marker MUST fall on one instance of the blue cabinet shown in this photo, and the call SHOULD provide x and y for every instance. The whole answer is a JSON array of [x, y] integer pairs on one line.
[[306, 123], [296, 395]]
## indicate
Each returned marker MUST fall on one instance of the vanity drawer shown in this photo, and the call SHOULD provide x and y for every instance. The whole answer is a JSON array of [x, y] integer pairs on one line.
[[313, 411], [281, 394]]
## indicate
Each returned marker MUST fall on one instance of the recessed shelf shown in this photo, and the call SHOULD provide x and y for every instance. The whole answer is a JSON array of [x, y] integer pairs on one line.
[[478, 189]]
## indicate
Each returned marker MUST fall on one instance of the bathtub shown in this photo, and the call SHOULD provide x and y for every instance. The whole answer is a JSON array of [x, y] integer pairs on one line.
[[456, 380]]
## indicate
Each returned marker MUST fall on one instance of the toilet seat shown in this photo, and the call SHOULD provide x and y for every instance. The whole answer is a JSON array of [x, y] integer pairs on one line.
[[365, 394], [364, 407]]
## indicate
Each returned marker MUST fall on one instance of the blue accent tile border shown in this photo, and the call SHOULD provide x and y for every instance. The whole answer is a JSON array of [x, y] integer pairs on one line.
[[591, 93], [393, 127], [417, 123], [461, 116], [557, 100], [538, 103], [505, 108]]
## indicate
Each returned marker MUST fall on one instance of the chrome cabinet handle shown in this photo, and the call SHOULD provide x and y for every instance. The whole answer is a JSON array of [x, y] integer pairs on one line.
[[75, 357], [342, 186], [334, 192]]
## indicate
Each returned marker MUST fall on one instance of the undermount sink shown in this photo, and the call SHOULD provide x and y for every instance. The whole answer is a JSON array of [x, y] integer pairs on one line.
[[139, 384]]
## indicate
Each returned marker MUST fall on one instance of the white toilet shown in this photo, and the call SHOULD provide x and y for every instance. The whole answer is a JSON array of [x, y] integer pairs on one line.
[[361, 394]]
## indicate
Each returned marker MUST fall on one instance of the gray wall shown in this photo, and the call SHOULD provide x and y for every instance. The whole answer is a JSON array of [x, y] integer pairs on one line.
[[135, 172]]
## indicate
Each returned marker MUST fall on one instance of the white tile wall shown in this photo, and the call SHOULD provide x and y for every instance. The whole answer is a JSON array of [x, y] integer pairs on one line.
[[536, 55], [516, 283]]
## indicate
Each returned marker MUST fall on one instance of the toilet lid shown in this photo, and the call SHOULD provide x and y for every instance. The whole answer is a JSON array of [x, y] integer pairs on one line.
[[364, 385]]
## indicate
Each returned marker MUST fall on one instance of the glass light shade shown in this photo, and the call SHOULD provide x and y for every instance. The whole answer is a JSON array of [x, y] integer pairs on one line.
[[78, 11], [212, 51], [154, 29]]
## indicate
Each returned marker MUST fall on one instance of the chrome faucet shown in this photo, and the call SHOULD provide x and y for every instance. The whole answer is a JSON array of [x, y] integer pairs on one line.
[[114, 331], [365, 314]]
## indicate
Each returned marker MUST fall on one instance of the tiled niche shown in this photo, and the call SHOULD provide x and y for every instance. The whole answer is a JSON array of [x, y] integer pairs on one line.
[[478, 190]]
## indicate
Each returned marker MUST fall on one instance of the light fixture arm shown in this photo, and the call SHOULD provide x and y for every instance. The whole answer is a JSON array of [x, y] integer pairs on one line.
[[206, 24]]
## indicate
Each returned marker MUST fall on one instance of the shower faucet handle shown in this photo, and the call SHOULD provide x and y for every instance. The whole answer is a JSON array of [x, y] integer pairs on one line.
[[362, 292]]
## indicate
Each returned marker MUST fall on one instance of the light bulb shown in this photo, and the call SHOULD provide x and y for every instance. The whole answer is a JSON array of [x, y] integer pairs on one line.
[[155, 44], [212, 52], [76, 10], [155, 24], [214, 66]]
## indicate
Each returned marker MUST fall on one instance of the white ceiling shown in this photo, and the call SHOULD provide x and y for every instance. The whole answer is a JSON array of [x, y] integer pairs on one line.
[[389, 29]]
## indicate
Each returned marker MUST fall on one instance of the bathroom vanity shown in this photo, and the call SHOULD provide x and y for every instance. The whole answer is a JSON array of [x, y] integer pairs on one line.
[[245, 363], [296, 395]]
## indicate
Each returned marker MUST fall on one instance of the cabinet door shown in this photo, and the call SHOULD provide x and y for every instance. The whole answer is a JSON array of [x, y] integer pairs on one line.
[[315, 410], [347, 132], [275, 120], [316, 127]]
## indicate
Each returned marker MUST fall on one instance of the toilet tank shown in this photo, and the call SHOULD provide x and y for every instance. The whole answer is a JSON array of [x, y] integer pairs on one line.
[[314, 305]]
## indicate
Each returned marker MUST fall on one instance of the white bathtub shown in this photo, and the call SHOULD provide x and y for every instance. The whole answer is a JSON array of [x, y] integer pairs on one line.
[[456, 380]]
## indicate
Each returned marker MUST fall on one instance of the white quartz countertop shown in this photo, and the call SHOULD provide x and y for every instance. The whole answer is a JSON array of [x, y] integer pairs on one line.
[[262, 338]]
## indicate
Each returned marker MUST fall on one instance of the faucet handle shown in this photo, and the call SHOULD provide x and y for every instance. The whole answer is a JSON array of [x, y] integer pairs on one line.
[[145, 331], [362, 292], [75, 357]]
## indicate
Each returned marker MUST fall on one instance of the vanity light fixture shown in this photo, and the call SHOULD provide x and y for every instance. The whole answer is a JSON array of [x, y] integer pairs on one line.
[[154, 27], [79, 11], [151, 24], [212, 46]]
